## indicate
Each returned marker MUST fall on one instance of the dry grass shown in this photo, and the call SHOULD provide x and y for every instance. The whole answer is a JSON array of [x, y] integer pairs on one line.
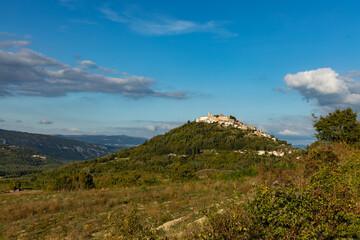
[[84, 214]]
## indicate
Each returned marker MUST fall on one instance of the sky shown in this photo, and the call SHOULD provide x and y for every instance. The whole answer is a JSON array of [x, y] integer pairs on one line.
[[141, 68]]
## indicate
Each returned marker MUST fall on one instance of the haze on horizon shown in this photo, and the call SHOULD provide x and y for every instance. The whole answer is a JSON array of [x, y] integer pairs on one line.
[[140, 68]]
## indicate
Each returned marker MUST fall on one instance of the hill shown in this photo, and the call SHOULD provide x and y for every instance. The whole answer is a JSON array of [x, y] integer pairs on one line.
[[115, 142], [18, 161], [167, 181], [187, 152], [181, 185], [55, 147]]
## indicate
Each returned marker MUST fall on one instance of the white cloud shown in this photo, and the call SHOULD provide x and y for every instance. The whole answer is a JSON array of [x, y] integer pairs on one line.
[[147, 128], [169, 126], [294, 129], [88, 63], [289, 132], [326, 87], [162, 126], [151, 128], [113, 16], [73, 129], [322, 80], [8, 34], [91, 65], [158, 25], [13, 35], [12, 42], [27, 72], [45, 122], [17, 43]]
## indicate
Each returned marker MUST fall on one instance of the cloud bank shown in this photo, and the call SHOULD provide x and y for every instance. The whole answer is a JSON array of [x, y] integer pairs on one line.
[[27, 72], [326, 87]]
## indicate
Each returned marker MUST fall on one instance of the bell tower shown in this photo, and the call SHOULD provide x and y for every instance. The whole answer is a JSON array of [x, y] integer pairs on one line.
[[209, 114]]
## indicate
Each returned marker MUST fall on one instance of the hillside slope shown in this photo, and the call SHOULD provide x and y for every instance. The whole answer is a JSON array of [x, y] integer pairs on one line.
[[55, 147], [186, 152], [17, 161], [196, 137]]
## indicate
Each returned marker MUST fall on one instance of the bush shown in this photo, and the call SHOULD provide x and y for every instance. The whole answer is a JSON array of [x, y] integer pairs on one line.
[[15, 185], [67, 181], [128, 226], [182, 172]]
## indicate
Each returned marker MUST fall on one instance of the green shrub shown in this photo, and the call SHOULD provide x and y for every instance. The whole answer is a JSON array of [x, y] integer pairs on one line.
[[15, 185], [67, 181], [128, 226], [182, 172]]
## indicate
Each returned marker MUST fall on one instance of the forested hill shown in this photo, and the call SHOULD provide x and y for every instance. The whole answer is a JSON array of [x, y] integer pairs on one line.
[[196, 137], [182, 153], [55, 147], [17, 161]]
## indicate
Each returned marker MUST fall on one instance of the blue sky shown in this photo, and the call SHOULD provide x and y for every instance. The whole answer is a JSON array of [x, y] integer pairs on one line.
[[143, 67]]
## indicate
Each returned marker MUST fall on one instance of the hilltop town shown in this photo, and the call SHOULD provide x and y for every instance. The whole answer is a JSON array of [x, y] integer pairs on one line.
[[232, 121]]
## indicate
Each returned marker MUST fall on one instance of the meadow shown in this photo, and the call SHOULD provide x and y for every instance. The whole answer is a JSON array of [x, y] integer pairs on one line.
[[93, 214]]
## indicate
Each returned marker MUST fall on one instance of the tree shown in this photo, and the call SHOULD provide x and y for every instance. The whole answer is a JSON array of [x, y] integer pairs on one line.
[[232, 117], [15, 185], [85, 180], [339, 126], [182, 172]]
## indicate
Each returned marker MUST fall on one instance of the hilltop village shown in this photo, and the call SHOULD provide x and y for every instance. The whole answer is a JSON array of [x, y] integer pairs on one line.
[[231, 121]]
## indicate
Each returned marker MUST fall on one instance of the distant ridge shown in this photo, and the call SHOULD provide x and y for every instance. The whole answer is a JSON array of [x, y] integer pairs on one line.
[[302, 146], [115, 142], [52, 146]]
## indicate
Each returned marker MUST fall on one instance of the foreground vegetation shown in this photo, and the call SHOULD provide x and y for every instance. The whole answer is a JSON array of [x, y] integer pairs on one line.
[[180, 187], [319, 199], [85, 214]]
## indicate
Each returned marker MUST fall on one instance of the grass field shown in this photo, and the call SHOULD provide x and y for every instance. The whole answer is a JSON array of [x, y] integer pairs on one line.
[[170, 210]]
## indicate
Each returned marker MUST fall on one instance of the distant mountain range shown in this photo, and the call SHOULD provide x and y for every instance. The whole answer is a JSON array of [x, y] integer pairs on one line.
[[114, 142], [54, 147]]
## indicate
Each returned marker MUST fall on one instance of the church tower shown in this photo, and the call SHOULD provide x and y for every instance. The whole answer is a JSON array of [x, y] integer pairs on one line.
[[209, 114]]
